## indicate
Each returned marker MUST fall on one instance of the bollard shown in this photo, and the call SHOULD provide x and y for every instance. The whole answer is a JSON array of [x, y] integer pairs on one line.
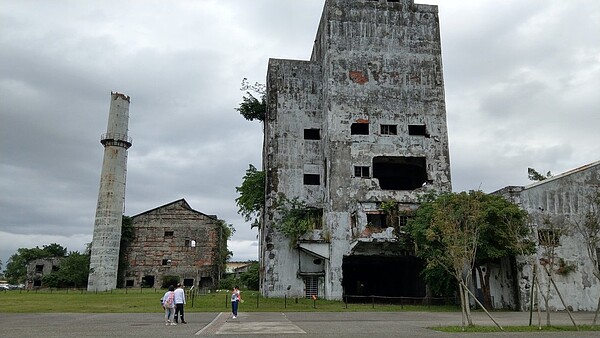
[[257, 299], [285, 301]]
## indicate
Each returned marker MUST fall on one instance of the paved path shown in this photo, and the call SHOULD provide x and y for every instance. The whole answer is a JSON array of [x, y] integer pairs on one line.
[[260, 324]]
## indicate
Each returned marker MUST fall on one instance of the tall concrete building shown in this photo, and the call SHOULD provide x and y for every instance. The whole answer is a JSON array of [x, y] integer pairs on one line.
[[104, 260], [358, 133]]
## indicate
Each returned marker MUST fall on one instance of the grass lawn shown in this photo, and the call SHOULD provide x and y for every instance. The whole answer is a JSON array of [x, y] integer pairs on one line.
[[148, 300], [534, 328]]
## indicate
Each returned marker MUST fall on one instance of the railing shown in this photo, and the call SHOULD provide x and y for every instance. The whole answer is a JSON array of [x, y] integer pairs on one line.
[[116, 139]]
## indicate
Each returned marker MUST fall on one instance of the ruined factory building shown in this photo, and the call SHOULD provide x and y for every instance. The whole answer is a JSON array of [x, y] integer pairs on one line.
[[362, 123], [554, 206], [174, 240]]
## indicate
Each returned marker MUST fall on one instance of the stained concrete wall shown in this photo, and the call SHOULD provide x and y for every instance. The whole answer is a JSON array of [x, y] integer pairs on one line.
[[187, 239], [374, 62], [561, 199]]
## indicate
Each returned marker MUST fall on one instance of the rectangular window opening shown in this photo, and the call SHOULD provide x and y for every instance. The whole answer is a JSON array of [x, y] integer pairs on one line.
[[359, 129], [129, 283], [166, 261], [548, 237], [417, 130], [312, 134], [169, 233], [312, 179], [377, 220], [362, 171], [39, 268], [389, 129]]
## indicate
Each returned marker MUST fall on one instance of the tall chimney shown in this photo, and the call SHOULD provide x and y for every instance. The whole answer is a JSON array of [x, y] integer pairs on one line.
[[104, 260]]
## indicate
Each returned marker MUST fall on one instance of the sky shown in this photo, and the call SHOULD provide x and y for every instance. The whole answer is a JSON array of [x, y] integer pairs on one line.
[[522, 82]]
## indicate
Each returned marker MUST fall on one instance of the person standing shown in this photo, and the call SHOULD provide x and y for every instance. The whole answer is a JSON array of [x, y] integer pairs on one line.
[[168, 303], [179, 303], [235, 300]]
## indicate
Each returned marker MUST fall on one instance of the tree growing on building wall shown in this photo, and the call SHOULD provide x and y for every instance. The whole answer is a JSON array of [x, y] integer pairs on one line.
[[588, 226], [251, 200], [253, 106], [127, 235], [296, 218], [535, 176]]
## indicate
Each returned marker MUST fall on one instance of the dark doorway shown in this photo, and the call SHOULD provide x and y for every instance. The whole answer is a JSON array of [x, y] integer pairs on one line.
[[148, 281], [400, 173], [390, 276]]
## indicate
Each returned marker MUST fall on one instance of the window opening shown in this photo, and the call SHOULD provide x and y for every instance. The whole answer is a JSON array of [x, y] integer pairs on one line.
[[312, 134], [359, 129], [400, 173], [377, 220], [403, 220], [312, 179], [166, 261], [417, 130], [168, 233], [129, 283], [361, 171], [39, 268], [548, 237], [389, 129], [311, 285]]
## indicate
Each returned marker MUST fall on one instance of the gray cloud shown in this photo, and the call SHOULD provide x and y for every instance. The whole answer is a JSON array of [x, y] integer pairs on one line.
[[521, 79]]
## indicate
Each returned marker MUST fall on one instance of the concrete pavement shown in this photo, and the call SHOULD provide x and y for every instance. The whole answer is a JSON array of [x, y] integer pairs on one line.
[[260, 324]]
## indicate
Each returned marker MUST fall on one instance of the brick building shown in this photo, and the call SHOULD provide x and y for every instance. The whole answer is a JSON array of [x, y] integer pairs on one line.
[[360, 124], [175, 240]]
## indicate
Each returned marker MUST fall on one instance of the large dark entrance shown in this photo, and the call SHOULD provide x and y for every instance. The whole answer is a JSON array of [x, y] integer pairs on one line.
[[390, 276]]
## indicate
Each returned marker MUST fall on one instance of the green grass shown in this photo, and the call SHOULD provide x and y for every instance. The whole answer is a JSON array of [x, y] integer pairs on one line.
[[148, 300], [479, 329]]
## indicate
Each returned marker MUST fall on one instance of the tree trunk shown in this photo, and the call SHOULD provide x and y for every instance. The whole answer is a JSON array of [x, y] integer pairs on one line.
[[484, 280]]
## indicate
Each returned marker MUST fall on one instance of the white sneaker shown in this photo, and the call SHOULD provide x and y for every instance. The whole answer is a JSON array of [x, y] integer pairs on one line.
[[173, 323], [234, 317], [167, 324]]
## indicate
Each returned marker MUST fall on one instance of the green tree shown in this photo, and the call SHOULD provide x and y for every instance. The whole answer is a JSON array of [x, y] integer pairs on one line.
[[16, 268], [73, 272], [127, 236], [253, 106], [453, 231], [250, 279], [223, 253], [534, 175], [251, 200]]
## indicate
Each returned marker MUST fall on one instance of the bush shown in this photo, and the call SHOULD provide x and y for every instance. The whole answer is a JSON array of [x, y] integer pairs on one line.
[[169, 280]]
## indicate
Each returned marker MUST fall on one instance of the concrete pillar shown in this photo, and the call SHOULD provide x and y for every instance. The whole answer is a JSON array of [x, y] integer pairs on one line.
[[104, 260]]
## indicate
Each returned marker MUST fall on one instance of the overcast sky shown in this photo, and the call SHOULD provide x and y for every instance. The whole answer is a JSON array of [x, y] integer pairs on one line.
[[522, 81]]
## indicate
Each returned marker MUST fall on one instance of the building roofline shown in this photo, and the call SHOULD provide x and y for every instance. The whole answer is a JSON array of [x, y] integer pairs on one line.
[[566, 173], [186, 205]]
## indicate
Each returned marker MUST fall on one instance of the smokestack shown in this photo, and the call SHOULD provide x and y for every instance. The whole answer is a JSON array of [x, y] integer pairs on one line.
[[104, 260]]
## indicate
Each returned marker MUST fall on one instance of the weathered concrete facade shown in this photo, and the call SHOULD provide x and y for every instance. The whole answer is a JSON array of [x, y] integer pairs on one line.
[[561, 199], [38, 268], [363, 122], [104, 260], [174, 240]]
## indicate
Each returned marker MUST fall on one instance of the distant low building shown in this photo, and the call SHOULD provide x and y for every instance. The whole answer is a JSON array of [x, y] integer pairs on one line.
[[175, 240], [38, 268], [236, 268]]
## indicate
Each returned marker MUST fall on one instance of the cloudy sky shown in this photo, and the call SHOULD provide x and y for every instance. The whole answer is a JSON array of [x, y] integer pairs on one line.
[[522, 84]]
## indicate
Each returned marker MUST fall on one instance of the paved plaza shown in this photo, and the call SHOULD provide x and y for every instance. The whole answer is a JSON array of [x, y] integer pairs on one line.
[[270, 324]]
